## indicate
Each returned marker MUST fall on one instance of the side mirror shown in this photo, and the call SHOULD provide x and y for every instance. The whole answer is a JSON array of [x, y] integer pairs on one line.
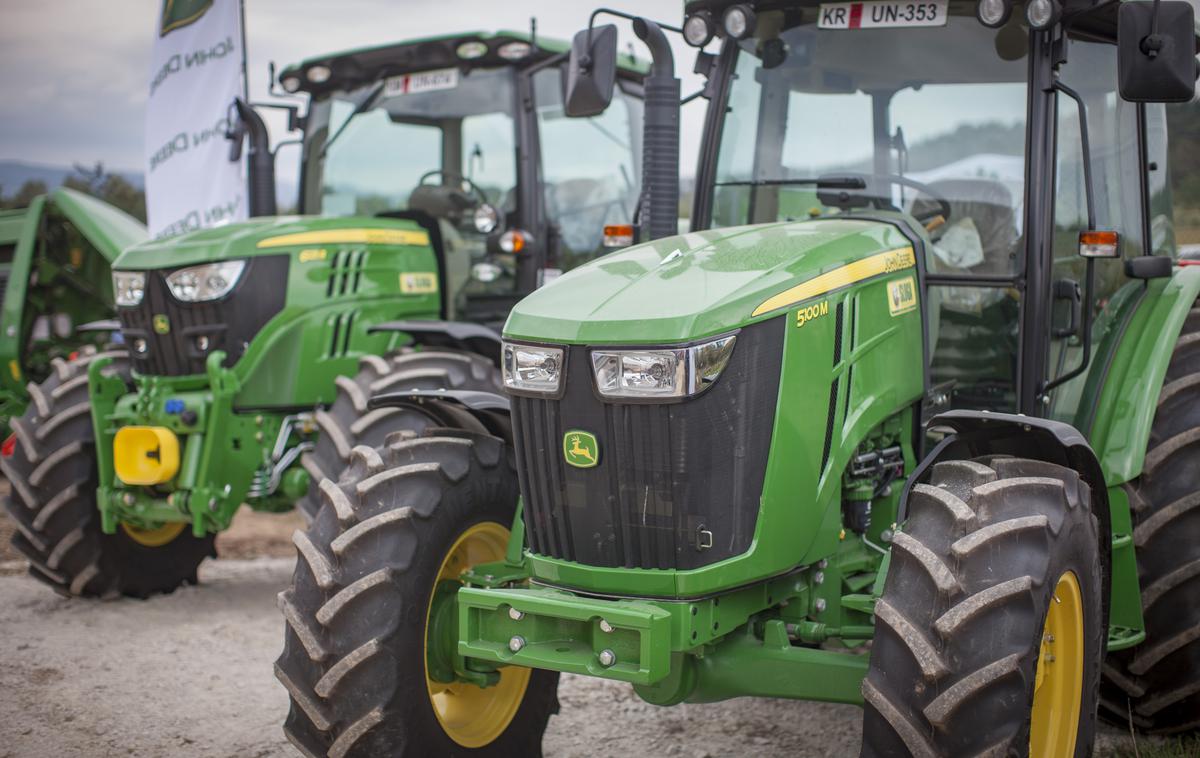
[[1156, 51], [591, 72]]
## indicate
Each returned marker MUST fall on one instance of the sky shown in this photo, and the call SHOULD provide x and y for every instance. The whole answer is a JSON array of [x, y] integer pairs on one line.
[[77, 71]]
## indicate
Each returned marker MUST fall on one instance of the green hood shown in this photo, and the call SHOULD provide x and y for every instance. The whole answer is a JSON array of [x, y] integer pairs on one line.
[[694, 285], [268, 236]]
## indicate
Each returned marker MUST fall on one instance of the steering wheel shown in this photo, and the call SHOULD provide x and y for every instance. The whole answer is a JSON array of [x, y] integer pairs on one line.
[[925, 219], [476, 192]]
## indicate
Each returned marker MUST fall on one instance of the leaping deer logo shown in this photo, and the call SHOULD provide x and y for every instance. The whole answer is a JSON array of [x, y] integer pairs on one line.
[[580, 449]]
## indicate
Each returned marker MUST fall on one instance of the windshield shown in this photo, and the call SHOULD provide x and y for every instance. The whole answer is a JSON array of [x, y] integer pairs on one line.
[[928, 123], [369, 149]]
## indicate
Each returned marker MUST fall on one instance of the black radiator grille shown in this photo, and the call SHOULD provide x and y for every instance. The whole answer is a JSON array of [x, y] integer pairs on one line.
[[228, 324], [677, 485]]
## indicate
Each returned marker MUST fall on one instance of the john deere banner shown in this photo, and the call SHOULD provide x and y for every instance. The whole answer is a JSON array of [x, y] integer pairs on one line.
[[195, 76]]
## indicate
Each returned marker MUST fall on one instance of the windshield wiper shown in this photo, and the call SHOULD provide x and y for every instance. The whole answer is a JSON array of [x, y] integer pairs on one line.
[[366, 104], [822, 182]]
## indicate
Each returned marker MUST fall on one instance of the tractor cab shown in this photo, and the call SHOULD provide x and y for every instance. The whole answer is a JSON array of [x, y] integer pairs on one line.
[[997, 146], [433, 131]]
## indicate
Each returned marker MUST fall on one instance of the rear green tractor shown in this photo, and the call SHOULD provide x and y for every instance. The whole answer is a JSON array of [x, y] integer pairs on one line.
[[55, 258], [435, 195], [910, 420]]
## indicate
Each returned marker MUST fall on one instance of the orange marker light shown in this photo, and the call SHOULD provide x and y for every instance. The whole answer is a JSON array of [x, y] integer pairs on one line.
[[1099, 244], [512, 241], [618, 235]]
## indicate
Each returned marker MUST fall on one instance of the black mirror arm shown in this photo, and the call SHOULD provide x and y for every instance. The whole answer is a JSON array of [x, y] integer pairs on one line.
[[624, 15]]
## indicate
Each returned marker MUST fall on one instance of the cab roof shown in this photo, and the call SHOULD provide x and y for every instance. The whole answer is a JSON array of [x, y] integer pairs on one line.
[[355, 67], [1104, 22]]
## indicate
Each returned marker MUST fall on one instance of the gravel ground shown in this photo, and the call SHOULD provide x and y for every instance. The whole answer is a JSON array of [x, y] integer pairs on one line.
[[189, 674]]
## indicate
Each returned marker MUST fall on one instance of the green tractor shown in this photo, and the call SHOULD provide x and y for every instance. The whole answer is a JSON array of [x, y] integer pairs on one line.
[[910, 419], [434, 196], [55, 291]]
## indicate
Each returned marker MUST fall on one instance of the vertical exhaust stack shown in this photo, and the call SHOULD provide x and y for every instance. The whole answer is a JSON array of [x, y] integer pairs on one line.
[[260, 159], [660, 145]]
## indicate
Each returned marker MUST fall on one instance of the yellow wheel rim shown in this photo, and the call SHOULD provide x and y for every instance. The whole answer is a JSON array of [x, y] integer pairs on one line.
[[474, 716], [154, 537], [1058, 686]]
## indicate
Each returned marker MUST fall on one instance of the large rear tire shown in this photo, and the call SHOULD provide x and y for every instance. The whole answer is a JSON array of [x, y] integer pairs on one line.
[[1157, 683], [989, 633], [349, 423], [404, 519], [54, 477]]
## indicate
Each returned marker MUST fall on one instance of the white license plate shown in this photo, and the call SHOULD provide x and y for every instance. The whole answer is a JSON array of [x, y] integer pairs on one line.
[[880, 14], [425, 81]]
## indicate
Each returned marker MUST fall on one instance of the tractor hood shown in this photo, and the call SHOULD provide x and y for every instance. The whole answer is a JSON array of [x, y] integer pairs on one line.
[[108, 228], [691, 286], [269, 236]]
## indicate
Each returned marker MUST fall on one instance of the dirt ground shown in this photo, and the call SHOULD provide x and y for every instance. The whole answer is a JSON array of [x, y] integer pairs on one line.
[[189, 674]]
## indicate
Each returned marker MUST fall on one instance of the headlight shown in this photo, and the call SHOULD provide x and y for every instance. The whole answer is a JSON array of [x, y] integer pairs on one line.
[[678, 372], [129, 287], [210, 281], [487, 218], [530, 368]]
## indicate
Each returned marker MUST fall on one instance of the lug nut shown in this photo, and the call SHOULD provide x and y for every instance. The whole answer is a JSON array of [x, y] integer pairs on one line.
[[129, 498], [606, 627], [516, 643], [607, 658], [819, 577], [515, 615], [820, 604]]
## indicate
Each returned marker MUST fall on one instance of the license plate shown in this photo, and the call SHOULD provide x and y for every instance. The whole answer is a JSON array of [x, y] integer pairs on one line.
[[880, 14], [426, 81]]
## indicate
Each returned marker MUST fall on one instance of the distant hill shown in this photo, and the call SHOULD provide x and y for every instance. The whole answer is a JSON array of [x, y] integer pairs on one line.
[[15, 173]]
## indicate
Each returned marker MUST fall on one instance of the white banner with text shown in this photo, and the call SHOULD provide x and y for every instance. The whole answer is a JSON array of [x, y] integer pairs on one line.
[[195, 75]]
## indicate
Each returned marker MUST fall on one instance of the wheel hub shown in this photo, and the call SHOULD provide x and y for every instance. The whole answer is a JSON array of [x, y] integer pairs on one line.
[[473, 716], [1058, 685]]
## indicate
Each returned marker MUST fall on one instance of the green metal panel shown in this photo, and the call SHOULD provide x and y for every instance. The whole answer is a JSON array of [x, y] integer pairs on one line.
[[109, 229], [694, 285], [12, 374], [1126, 404]]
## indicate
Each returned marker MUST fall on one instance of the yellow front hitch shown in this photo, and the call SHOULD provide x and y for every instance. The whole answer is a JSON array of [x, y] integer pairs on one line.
[[144, 455]]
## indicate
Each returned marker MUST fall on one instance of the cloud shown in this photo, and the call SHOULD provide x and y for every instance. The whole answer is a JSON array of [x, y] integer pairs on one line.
[[77, 71]]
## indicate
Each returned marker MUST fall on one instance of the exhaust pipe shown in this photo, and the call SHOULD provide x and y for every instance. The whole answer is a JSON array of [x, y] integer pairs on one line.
[[260, 160], [659, 210]]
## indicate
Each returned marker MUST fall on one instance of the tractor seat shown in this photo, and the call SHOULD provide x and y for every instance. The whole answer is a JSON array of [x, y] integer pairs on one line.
[[989, 204]]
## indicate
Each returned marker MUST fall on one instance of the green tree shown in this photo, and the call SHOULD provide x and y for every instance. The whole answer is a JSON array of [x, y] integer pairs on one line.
[[113, 189], [24, 196]]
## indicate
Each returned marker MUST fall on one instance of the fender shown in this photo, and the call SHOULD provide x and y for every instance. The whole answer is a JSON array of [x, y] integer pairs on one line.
[[1129, 396], [454, 335], [976, 433], [451, 407]]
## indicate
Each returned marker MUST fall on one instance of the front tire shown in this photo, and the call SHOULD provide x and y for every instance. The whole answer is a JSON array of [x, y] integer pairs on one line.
[[989, 633], [348, 422], [54, 478], [358, 610]]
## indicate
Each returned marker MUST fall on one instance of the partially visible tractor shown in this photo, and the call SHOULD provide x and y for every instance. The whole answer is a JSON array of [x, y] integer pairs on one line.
[[910, 419], [55, 286], [440, 184]]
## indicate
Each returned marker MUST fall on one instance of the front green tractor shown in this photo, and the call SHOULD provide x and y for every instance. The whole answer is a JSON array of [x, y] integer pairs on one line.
[[251, 351], [908, 421]]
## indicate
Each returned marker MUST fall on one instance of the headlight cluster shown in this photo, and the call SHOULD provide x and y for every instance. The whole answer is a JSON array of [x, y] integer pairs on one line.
[[530, 368], [629, 374], [209, 281], [129, 287]]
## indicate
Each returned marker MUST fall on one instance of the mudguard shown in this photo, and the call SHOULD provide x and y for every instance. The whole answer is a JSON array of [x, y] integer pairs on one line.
[[977, 433], [1125, 408], [448, 407], [454, 335]]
